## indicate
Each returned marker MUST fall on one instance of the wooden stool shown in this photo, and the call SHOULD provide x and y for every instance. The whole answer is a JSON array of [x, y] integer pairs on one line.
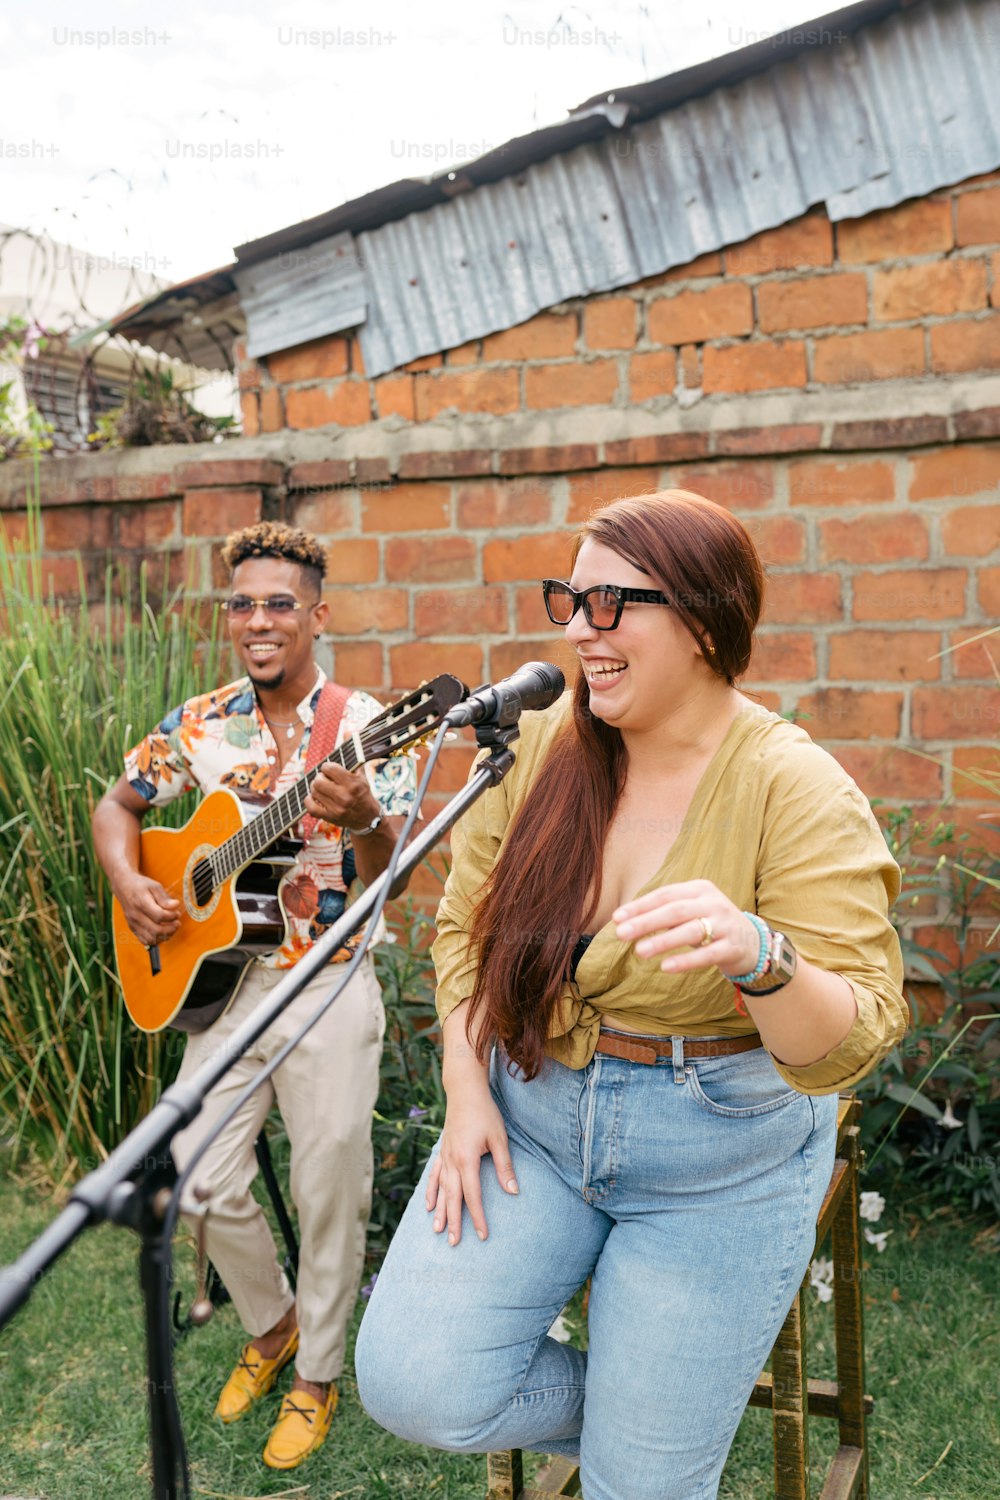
[[786, 1388]]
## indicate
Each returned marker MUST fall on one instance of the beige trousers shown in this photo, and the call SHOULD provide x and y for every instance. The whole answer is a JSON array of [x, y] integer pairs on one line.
[[326, 1091]]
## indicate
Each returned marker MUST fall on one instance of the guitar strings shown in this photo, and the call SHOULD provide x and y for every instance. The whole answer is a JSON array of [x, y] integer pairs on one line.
[[369, 735]]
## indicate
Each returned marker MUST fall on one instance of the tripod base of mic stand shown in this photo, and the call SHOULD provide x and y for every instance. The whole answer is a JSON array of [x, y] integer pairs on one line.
[[142, 1207]]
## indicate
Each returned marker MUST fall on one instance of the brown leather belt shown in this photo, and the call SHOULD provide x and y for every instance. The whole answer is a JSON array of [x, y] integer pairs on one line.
[[649, 1050]]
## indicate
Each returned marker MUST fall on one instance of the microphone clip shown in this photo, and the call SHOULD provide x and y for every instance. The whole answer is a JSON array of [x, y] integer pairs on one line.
[[502, 727], [493, 735]]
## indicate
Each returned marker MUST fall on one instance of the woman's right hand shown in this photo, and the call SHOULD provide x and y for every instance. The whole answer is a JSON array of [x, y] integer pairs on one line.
[[150, 912], [473, 1127]]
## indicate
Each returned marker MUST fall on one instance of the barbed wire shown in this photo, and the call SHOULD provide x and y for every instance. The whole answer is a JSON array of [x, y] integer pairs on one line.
[[52, 286]]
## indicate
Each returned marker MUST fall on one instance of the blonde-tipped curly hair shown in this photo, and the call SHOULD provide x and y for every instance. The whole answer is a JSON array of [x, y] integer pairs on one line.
[[275, 539]]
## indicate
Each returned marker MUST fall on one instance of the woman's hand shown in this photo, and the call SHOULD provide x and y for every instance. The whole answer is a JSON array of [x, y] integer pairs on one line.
[[473, 1127], [692, 914]]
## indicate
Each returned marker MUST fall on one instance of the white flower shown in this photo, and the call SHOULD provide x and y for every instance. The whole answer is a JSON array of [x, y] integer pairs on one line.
[[820, 1277], [872, 1207], [559, 1331], [948, 1120], [878, 1240]]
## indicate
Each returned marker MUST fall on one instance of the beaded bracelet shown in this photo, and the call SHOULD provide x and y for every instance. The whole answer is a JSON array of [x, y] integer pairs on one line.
[[763, 958]]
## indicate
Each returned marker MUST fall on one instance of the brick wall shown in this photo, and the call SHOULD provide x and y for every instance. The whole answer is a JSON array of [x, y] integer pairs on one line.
[[832, 384]]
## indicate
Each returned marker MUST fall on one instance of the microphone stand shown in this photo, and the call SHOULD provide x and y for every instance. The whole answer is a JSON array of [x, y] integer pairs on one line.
[[134, 1186]]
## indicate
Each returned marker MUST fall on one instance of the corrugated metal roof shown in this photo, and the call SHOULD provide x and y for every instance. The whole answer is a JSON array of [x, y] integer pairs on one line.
[[592, 120], [853, 119], [932, 84], [895, 111], [302, 294]]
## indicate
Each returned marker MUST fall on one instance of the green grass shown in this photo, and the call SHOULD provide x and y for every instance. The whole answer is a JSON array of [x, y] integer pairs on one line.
[[72, 1404]]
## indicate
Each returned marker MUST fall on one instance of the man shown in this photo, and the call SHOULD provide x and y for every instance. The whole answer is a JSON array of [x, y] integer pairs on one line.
[[255, 733]]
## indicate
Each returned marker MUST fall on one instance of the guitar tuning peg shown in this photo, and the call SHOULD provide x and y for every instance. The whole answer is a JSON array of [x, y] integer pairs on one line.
[[201, 1308]]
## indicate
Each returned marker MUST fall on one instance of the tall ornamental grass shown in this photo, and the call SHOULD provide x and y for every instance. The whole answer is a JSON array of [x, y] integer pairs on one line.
[[78, 685]]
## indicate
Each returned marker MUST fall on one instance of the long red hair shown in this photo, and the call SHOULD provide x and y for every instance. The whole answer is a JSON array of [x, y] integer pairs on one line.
[[535, 903]]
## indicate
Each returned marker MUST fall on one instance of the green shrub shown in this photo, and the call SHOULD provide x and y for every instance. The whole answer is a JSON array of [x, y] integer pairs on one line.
[[932, 1108], [155, 411]]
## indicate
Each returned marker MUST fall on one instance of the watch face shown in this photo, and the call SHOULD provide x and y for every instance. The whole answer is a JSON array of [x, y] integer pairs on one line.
[[785, 959], [780, 969]]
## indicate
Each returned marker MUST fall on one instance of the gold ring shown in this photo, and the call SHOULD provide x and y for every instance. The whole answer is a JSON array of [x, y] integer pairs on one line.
[[708, 931]]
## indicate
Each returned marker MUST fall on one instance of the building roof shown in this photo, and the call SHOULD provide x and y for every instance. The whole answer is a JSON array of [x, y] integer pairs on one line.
[[856, 110], [194, 320]]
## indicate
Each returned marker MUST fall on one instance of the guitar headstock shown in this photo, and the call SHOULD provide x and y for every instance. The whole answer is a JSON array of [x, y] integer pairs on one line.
[[413, 718]]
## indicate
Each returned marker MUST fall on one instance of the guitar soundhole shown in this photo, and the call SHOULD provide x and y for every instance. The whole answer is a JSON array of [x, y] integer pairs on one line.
[[201, 894], [201, 882]]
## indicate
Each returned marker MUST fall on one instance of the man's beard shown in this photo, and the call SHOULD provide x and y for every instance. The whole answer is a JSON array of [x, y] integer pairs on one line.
[[272, 682]]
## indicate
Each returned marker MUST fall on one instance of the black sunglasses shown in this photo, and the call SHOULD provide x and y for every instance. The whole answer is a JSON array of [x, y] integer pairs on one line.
[[602, 604]]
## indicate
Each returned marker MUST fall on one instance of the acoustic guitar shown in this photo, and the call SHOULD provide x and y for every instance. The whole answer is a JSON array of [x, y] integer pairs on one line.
[[226, 867]]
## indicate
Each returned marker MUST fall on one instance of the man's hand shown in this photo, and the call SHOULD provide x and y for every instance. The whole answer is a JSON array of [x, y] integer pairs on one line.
[[150, 912], [342, 797], [345, 799]]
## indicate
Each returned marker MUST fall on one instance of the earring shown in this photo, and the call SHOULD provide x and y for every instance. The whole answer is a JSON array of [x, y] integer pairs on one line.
[[711, 649], [315, 635]]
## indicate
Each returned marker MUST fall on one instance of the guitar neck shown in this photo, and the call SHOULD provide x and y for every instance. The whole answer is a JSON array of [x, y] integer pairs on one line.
[[283, 813]]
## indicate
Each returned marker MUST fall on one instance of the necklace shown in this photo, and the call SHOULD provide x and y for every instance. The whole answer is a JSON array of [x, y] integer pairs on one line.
[[290, 724]]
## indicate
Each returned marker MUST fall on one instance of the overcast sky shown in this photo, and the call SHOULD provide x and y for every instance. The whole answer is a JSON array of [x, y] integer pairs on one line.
[[167, 135]]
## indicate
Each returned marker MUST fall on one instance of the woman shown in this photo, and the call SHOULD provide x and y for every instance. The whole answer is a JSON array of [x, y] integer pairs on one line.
[[651, 1123]]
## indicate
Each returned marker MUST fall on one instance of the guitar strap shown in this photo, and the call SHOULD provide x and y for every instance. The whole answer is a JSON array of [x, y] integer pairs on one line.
[[323, 735]]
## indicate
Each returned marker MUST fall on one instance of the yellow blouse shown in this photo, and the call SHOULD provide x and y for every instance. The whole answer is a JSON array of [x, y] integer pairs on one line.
[[781, 829]]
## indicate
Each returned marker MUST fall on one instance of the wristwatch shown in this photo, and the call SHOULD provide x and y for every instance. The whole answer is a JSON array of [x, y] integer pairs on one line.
[[362, 833], [782, 961]]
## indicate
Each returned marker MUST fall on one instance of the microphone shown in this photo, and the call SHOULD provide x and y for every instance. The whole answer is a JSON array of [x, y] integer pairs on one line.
[[535, 685]]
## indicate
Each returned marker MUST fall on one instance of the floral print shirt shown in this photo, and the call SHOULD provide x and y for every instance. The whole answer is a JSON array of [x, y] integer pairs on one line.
[[221, 739]]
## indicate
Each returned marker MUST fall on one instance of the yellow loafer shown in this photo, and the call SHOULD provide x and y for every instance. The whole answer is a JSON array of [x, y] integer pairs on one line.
[[252, 1378], [302, 1425]]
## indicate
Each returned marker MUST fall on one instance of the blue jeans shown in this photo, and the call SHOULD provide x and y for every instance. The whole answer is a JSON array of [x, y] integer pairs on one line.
[[689, 1192]]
